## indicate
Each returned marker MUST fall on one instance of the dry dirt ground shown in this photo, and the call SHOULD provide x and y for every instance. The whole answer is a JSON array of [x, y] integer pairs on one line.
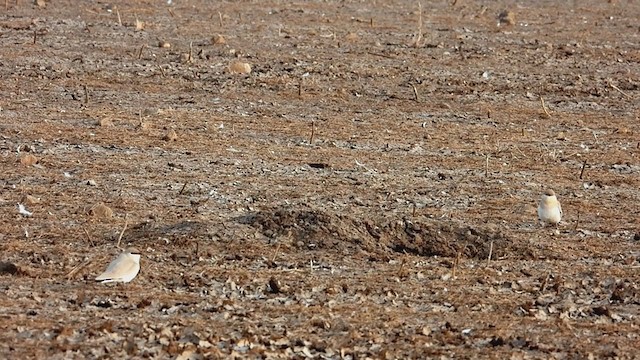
[[368, 190]]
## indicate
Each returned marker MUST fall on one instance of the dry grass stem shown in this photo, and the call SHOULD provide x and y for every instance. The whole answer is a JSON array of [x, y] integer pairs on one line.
[[275, 254], [140, 51], [490, 252], [543, 286], [418, 38], [88, 237], [486, 166], [621, 92], [584, 165], [119, 18], [544, 108], [183, 187], [126, 222], [456, 263], [76, 269]]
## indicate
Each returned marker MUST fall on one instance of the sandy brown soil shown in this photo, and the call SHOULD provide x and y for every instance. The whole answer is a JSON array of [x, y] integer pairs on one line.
[[363, 193]]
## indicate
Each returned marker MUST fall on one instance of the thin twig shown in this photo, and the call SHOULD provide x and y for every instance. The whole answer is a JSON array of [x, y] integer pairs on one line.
[[220, 17], [543, 286], [86, 95], [273, 259], [313, 132], [140, 51], [88, 237], [401, 272], [415, 93], [119, 18], [183, 186], [35, 36], [161, 70], [621, 92], [584, 164], [419, 35], [78, 268], [455, 264], [123, 229], [490, 252], [300, 87], [381, 55], [544, 107], [486, 166]]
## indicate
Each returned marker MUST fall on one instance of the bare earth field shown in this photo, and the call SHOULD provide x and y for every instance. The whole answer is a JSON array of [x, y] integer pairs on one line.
[[368, 190]]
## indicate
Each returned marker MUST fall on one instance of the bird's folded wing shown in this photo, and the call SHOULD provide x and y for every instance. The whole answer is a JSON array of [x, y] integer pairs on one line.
[[118, 268]]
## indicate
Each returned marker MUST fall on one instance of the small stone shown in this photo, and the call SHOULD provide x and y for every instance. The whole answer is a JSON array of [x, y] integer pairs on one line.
[[30, 200], [274, 285], [218, 39], [171, 135], [139, 25], [28, 160], [352, 37], [164, 44], [239, 67], [186, 58], [101, 211], [506, 17], [8, 268]]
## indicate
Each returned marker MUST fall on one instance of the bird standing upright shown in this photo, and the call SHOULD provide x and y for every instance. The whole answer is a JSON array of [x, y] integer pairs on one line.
[[549, 209]]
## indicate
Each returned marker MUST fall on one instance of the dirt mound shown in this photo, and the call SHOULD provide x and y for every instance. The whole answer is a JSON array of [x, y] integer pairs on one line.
[[315, 229], [178, 233]]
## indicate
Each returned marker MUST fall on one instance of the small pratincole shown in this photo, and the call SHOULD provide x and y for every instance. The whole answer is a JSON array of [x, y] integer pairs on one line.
[[549, 209], [123, 269]]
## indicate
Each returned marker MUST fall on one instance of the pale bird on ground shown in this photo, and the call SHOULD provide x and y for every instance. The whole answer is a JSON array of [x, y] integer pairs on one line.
[[549, 209], [123, 269]]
